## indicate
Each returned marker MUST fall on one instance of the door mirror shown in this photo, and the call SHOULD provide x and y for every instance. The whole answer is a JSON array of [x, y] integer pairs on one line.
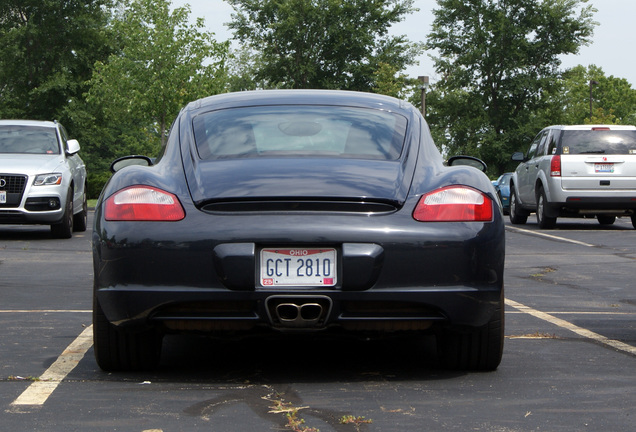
[[518, 157], [72, 146]]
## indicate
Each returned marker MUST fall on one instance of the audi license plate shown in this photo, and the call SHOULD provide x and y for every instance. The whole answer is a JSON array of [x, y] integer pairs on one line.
[[3, 197], [298, 267], [604, 167]]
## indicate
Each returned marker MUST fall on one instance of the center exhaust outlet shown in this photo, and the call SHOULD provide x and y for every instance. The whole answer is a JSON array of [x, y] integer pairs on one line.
[[298, 311]]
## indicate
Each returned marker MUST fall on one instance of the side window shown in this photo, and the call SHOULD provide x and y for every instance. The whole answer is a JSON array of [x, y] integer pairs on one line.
[[542, 143], [552, 143], [532, 151]]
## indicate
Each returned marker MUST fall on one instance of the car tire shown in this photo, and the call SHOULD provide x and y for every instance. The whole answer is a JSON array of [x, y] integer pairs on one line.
[[634, 221], [606, 220], [517, 215], [123, 350], [64, 229], [503, 209], [545, 222], [478, 349], [80, 219]]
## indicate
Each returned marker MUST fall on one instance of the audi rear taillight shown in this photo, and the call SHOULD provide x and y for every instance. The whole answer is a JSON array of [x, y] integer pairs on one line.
[[555, 166], [454, 204], [143, 203]]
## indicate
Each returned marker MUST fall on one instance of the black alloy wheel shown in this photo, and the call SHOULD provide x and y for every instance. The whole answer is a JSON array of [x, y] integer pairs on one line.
[[123, 350], [477, 349]]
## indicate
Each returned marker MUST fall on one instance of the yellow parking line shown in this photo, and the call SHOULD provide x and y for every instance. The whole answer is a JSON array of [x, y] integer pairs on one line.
[[39, 391], [621, 346]]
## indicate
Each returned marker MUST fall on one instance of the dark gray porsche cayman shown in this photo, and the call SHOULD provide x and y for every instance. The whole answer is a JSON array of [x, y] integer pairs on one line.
[[298, 211]]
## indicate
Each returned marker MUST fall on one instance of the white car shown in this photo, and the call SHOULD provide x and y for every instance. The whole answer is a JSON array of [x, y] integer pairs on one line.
[[42, 177], [576, 171]]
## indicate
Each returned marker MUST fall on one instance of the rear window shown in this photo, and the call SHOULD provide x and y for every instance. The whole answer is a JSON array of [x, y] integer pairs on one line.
[[598, 142], [28, 140], [323, 131]]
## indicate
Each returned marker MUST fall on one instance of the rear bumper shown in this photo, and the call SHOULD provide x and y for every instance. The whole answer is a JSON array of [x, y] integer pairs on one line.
[[186, 309], [200, 274], [590, 205]]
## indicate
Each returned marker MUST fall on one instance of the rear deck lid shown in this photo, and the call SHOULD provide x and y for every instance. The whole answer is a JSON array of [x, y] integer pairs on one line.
[[299, 153]]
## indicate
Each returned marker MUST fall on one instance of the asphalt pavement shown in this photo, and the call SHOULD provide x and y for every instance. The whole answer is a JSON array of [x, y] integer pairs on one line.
[[569, 359]]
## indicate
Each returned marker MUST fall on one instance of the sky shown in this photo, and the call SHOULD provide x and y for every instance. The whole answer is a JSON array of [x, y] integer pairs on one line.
[[611, 49]]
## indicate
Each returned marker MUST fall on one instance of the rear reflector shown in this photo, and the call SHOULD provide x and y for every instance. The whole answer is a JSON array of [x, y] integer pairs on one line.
[[143, 203], [454, 204]]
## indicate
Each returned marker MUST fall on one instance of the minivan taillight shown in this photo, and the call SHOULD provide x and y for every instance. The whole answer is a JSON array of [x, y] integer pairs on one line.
[[555, 166], [454, 204], [143, 203]]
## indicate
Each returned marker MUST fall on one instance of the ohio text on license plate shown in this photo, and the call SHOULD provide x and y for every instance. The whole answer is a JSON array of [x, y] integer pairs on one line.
[[298, 267], [604, 167], [3, 197]]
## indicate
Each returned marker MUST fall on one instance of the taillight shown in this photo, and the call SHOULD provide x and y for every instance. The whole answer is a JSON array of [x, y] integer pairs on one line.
[[143, 203], [555, 166], [454, 204]]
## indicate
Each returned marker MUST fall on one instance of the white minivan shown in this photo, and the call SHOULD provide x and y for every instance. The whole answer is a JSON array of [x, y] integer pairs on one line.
[[576, 171]]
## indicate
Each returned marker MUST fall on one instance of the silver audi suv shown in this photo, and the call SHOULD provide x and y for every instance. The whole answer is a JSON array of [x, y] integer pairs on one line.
[[42, 177], [576, 171]]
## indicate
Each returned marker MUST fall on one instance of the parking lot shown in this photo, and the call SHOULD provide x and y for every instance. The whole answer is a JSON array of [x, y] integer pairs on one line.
[[569, 361]]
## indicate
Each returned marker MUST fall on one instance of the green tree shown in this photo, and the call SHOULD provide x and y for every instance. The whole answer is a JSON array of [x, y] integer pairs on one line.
[[389, 81], [613, 99], [497, 60], [336, 44], [163, 63], [47, 52]]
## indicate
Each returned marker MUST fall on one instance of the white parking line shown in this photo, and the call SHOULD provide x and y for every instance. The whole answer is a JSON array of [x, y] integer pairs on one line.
[[39, 391], [553, 237], [621, 346]]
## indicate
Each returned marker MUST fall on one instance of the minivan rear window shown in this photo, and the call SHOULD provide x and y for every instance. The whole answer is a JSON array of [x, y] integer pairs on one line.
[[598, 142]]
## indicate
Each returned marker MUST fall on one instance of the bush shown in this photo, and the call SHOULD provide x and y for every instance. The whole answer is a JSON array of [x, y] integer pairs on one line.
[[96, 182]]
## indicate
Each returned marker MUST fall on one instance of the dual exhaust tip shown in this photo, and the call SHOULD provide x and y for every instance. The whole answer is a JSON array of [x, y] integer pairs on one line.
[[298, 312]]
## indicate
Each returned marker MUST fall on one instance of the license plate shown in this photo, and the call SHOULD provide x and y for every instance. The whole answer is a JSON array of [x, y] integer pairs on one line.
[[3, 197], [298, 267], [604, 167]]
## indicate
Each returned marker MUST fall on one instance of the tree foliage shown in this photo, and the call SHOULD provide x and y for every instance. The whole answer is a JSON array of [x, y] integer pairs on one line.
[[47, 52], [162, 64], [334, 44], [613, 99], [497, 60]]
